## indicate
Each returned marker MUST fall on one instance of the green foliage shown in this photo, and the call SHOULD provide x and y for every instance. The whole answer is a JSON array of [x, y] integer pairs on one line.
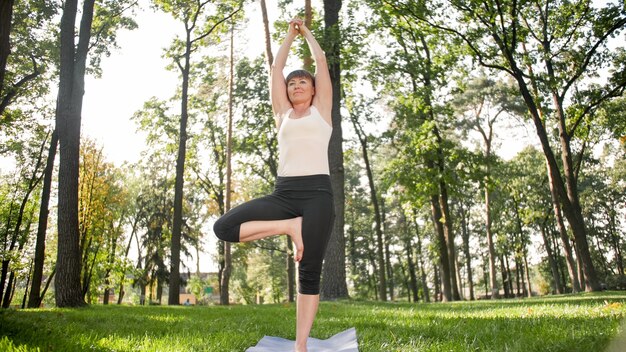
[[255, 129], [585, 322], [32, 60], [612, 117], [104, 204], [616, 282], [603, 195], [204, 23]]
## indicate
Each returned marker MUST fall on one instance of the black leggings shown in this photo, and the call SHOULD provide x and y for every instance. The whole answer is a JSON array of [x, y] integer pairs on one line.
[[307, 196]]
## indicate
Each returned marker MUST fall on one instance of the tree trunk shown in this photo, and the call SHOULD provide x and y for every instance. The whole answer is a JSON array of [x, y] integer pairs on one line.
[[420, 260], [493, 284], [6, 19], [334, 271], [387, 239], [33, 181], [107, 275], [408, 247], [506, 277], [466, 250], [565, 241], [5, 262], [120, 296], [34, 298], [565, 190], [615, 240], [553, 266], [449, 236], [580, 271], [444, 261], [268, 40], [225, 283], [185, 68], [486, 275], [27, 286], [412, 272], [425, 290], [380, 245], [389, 267], [174, 284], [529, 288], [307, 62], [437, 284], [554, 177], [68, 117], [8, 295], [571, 200], [519, 275], [405, 279]]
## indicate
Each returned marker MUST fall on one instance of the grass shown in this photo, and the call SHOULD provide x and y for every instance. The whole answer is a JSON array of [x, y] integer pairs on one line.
[[582, 322]]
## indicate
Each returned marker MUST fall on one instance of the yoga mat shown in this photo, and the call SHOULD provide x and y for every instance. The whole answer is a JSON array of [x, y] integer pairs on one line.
[[344, 341]]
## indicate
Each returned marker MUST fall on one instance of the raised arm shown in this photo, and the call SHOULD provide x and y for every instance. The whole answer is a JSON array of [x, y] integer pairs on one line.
[[323, 99], [278, 88]]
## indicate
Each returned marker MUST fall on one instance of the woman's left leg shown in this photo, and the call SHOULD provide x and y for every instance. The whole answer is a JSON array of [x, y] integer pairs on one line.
[[306, 308], [317, 221]]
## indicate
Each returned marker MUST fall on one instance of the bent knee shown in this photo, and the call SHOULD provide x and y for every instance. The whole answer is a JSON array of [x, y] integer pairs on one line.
[[225, 232]]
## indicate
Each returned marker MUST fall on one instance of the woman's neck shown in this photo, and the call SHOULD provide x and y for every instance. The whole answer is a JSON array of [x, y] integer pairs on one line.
[[300, 110]]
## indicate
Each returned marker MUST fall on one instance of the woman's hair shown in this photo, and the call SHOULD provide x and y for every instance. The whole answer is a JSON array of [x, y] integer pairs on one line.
[[299, 74]]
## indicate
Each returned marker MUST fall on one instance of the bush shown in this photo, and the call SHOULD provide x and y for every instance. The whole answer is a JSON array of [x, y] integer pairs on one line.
[[616, 282]]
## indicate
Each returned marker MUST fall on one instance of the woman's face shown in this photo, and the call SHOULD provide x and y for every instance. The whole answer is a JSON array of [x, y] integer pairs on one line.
[[300, 90]]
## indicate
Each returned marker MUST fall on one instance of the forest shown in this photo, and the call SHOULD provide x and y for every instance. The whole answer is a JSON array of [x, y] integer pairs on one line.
[[434, 200]]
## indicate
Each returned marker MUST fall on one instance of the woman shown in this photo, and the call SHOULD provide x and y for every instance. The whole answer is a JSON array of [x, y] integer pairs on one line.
[[302, 203]]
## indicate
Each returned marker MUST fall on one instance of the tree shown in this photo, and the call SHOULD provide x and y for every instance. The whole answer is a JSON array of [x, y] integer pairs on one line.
[[72, 69], [68, 292], [103, 208], [35, 296], [484, 101], [357, 111], [15, 235], [603, 196], [228, 261], [154, 206], [199, 24], [526, 179], [362, 260], [334, 272], [26, 52], [422, 123], [553, 63], [6, 15]]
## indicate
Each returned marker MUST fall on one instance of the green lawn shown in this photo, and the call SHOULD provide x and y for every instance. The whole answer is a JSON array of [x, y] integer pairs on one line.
[[583, 322]]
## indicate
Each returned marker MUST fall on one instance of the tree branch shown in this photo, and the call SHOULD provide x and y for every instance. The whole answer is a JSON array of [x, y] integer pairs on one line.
[[12, 92], [619, 24]]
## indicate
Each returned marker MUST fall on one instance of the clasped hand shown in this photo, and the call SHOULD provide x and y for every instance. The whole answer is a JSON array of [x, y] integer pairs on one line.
[[296, 26]]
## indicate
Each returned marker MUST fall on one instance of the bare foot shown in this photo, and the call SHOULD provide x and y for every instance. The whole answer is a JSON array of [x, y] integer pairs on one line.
[[296, 237], [300, 348]]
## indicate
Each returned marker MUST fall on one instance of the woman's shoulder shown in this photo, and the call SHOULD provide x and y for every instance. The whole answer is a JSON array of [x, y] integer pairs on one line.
[[322, 113], [281, 115]]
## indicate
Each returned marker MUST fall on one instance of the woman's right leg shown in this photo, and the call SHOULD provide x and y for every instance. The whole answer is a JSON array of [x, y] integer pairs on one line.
[[261, 218], [258, 229]]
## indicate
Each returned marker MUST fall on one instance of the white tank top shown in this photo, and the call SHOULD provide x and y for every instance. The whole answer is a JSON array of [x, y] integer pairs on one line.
[[303, 145]]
